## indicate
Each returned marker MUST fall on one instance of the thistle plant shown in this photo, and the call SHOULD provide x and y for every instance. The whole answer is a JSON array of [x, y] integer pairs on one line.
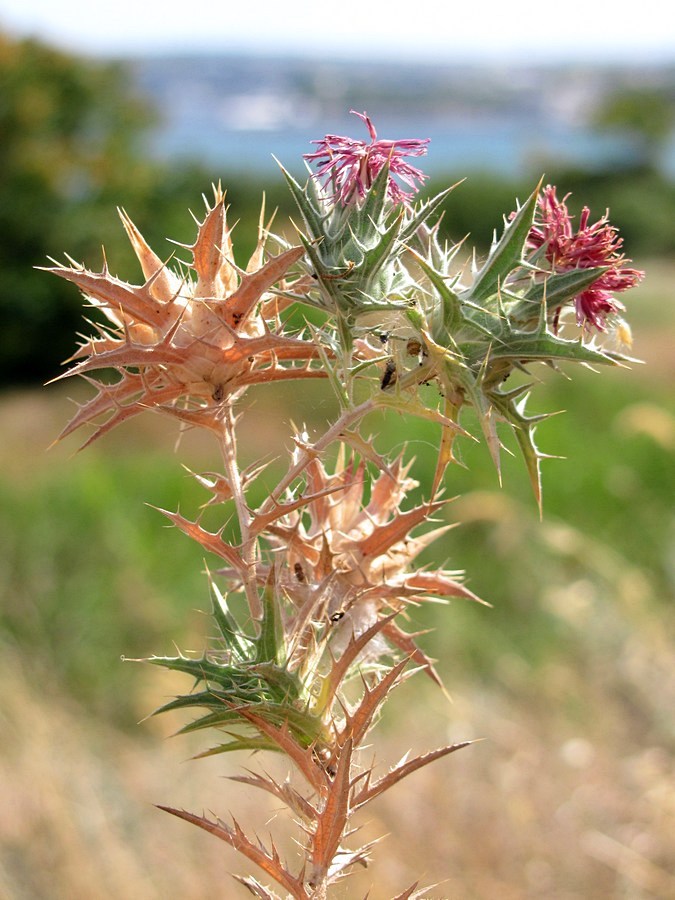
[[309, 592]]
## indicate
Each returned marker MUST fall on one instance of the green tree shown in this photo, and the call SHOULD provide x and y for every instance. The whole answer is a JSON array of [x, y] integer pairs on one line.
[[70, 132], [647, 114]]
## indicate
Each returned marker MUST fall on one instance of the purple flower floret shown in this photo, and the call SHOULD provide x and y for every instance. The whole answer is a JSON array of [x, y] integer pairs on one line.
[[593, 245], [351, 166]]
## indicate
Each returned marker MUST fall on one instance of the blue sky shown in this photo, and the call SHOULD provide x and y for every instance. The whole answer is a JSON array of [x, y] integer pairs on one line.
[[431, 30]]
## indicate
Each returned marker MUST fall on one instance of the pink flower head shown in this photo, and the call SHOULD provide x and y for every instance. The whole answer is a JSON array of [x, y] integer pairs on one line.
[[592, 245], [351, 166]]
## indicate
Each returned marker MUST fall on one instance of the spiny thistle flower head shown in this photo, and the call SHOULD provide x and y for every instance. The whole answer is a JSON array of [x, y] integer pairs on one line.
[[353, 543], [593, 245], [473, 336], [184, 343], [358, 224], [349, 167]]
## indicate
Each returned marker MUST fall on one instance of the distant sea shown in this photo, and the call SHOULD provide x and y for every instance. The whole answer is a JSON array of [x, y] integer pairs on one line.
[[235, 114], [503, 147]]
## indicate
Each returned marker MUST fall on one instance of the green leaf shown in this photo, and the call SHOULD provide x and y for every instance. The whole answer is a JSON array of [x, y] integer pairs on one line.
[[507, 253], [230, 678], [423, 213], [312, 217], [239, 742], [305, 727], [452, 311], [270, 642], [227, 624], [215, 700], [376, 257], [216, 719], [511, 407], [370, 213], [282, 685], [542, 345], [558, 289]]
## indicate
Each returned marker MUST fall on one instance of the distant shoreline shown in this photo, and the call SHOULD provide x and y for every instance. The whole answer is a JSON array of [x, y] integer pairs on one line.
[[505, 119]]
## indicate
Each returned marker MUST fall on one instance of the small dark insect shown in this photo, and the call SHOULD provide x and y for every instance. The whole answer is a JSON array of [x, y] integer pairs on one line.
[[384, 337], [299, 574], [325, 759], [336, 616], [218, 393], [389, 375]]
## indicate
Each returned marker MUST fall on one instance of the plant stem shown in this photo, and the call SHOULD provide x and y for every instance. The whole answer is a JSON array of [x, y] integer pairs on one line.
[[228, 444], [348, 417]]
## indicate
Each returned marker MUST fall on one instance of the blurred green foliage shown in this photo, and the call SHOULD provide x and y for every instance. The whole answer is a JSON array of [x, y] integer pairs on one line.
[[640, 201], [644, 112], [70, 131], [71, 153]]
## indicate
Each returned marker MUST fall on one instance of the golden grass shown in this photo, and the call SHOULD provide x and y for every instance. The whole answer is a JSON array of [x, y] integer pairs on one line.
[[545, 807]]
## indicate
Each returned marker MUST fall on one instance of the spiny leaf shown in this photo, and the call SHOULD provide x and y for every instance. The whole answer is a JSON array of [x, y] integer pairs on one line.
[[473, 388], [451, 307], [312, 217], [207, 251], [359, 722], [305, 729], [228, 629], [542, 345], [292, 798], [257, 889], [507, 253], [332, 819], [413, 894], [239, 742], [365, 448], [113, 294], [203, 669], [214, 543], [559, 288], [351, 652], [523, 427], [286, 741], [406, 642], [235, 837], [210, 699], [375, 257], [270, 642], [424, 212], [407, 894], [376, 198], [255, 284], [369, 792], [261, 521], [445, 453], [386, 536]]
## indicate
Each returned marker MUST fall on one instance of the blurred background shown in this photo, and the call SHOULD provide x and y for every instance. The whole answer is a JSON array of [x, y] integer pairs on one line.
[[569, 678]]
